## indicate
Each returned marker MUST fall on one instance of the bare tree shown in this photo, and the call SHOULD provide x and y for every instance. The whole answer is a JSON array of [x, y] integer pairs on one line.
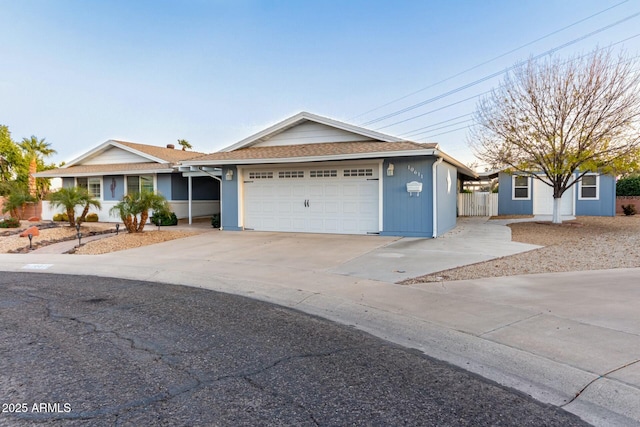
[[556, 120]]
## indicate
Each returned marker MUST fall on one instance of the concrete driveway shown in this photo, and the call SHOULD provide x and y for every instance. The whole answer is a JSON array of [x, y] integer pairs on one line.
[[570, 339]]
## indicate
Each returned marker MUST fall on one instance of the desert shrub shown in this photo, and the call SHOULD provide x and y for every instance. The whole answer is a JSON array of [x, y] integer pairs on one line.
[[164, 218], [629, 186], [215, 220], [61, 217], [92, 217], [9, 223], [629, 209]]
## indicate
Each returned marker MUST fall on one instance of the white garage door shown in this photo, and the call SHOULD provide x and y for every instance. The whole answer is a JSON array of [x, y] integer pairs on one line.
[[312, 199], [543, 200]]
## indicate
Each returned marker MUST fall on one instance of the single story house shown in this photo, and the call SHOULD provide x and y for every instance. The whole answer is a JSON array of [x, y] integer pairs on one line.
[[116, 168], [310, 173], [593, 195]]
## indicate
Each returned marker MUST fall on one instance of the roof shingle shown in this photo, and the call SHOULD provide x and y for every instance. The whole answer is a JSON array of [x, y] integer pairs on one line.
[[171, 155]]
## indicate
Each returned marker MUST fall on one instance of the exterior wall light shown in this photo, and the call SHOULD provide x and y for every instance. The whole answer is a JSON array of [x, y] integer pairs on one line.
[[390, 169], [229, 175]]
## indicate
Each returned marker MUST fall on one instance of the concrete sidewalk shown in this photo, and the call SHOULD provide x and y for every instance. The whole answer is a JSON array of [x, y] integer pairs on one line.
[[570, 339]]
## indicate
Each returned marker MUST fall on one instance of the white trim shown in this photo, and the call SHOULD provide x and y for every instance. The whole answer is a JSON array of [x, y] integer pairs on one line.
[[434, 178], [597, 197], [240, 190], [103, 147], [305, 116], [104, 173], [513, 187], [381, 174], [99, 177]]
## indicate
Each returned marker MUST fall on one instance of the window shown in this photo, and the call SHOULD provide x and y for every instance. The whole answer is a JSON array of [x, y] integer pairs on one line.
[[91, 184], [588, 187], [137, 184], [291, 174], [358, 172], [521, 186], [260, 175], [332, 173]]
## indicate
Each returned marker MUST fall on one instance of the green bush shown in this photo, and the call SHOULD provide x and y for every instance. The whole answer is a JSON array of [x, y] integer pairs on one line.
[[629, 209], [164, 219], [92, 217], [629, 186], [9, 223], [61, 217], [215, 221]]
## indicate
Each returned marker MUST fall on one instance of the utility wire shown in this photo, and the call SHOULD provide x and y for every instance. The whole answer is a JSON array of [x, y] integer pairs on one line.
[[533, 58], [487, 62], [435, 124], [490, 76]]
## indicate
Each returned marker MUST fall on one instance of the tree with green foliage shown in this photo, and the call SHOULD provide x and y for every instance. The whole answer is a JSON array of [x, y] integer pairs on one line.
[[134, 209], [556, 120], [69, 198], [185, 144], [629, 186], [35, 150], [11, 159]]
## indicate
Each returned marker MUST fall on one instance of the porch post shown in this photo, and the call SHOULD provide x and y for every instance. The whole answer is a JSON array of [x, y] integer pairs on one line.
[[190, 196]]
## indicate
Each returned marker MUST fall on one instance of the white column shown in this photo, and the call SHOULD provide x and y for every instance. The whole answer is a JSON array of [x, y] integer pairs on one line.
[[190, 196]]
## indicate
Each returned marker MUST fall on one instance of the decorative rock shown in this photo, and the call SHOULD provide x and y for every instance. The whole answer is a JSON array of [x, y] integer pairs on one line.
[[31, 230], [34, 219]]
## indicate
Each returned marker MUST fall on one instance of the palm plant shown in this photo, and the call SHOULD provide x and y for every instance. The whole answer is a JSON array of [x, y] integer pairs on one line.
[[35, 149], [15, 202], [134, 208], [185, 144], [71, 197]]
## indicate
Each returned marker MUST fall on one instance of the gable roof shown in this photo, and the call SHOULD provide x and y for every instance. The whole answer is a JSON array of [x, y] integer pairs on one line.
[[151, 152], [308, 117]]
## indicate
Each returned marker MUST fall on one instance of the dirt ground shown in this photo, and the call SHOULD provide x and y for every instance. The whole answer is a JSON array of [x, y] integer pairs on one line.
[[588, 243]]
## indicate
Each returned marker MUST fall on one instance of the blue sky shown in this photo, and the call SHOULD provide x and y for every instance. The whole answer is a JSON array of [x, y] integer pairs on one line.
[[80, 72]]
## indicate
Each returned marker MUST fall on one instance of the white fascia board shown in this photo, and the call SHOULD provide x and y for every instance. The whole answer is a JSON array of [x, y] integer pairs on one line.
[[305, 116], [104, 146], [460, 166], [139, 153], [335, 157], [44, 174]]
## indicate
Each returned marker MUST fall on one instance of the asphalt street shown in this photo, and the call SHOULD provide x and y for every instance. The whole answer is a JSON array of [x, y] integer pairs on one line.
[[81, 350]]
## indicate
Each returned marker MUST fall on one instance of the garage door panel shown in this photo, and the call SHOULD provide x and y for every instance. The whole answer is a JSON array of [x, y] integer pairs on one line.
[[342, 202]]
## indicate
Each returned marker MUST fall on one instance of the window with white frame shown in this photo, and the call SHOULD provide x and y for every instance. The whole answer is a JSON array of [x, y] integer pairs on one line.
[[521, 188], [588, 188], [93, 184], [138, 184]]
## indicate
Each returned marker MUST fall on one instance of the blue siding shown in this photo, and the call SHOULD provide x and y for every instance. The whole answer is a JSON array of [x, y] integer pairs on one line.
[[606, 203], [508, 206], [404, 215], [164, 185], [447, 197], [203, 188], [229, 203], [113, 187], [68, 182]]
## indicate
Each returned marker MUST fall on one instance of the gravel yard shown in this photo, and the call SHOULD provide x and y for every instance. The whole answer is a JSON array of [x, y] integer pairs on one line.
[[122, 241], [588, 243]]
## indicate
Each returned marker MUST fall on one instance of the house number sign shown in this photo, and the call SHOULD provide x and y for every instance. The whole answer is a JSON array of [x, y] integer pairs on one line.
[[415, 171]]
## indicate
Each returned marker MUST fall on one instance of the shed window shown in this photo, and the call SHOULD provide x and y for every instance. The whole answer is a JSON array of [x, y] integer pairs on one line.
[[521, 188], [589, 187]]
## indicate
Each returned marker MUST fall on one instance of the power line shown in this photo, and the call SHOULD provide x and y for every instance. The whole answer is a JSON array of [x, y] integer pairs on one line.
[[451, 92], [442, 127], [435, 124], [490, 60], [483, 79]]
